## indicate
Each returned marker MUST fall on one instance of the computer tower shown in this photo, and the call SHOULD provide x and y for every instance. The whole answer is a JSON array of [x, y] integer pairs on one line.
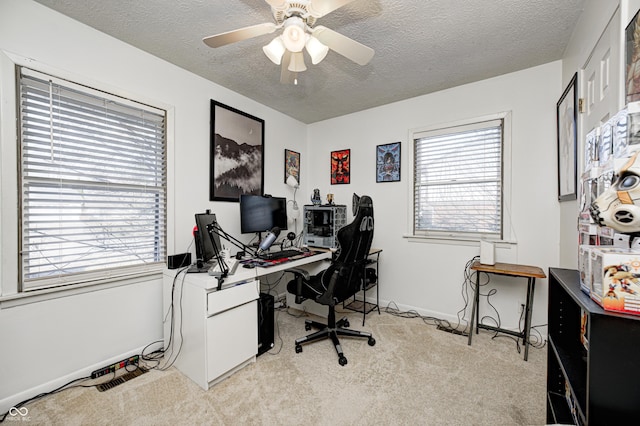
[[265, 322], [322, 223]]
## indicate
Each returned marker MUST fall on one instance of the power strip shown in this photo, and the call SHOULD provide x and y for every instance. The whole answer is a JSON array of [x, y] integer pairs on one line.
[[451, 330], [114, 367]]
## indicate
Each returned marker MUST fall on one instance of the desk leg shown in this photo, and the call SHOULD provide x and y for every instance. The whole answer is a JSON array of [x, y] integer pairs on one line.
[[475, 308], [527, 319]]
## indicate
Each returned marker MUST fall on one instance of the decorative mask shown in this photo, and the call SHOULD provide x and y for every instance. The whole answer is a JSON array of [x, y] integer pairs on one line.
[[619, 206]]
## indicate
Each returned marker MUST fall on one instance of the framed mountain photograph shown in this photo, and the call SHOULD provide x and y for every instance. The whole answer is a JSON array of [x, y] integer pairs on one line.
[[236, 154]]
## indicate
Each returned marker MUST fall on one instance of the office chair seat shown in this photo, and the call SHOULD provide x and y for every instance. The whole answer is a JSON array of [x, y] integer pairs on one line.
[[340, 281]]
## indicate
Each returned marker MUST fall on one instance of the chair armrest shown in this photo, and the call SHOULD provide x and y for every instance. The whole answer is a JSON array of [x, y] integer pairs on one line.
[[300, 275], [299, 272], [327, 297]]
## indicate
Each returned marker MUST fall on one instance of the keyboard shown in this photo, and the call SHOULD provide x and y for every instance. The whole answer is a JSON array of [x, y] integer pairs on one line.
[[282, 254]]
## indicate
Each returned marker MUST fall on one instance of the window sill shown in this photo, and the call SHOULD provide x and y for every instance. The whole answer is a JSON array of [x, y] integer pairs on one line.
[[456, 240], [36, 296]]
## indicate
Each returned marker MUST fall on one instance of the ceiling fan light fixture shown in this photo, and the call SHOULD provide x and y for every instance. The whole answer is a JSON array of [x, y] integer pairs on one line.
[[275, 50], [297, 62], [294, 36], [316, 50]]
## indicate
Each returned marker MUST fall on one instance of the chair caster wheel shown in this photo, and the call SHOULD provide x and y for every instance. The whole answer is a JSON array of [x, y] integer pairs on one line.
[[298, 349], [307, 327], [346, 324], [342, 360], [371, 341]]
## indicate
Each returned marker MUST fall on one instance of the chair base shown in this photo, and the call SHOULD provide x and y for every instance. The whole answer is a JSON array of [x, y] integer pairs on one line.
[[327, 331]]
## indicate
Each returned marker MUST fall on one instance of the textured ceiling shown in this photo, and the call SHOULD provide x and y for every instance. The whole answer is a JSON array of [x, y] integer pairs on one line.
[[421, 46]]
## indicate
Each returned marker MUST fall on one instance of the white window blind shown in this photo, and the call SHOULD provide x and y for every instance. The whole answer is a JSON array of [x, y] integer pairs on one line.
[[93, 184], [458, 181]]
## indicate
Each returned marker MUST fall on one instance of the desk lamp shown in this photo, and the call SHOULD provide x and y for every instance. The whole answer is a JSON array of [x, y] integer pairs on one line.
[[295, 210]]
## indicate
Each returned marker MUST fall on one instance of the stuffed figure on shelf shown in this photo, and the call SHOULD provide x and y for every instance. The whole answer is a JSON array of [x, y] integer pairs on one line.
[[315, 198]]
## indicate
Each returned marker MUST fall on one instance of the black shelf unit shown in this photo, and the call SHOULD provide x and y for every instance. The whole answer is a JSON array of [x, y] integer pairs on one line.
[[362, 305], [603, 381]]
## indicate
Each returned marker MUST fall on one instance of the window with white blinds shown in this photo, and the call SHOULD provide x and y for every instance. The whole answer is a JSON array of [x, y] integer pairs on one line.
[[92, 183], [458, 181]]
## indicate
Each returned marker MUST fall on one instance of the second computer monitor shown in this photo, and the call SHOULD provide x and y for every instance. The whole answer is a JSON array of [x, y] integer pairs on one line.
[[204, 243], [260, 214]]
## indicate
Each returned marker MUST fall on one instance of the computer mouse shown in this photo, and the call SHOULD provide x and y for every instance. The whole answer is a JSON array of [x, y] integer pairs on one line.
[[249, 265]]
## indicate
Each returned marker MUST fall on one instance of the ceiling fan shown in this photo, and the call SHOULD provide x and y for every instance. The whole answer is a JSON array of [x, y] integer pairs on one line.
[[297, 19]]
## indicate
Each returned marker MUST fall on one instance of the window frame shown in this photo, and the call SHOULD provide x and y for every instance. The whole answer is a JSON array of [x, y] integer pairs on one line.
[[10, 294], [454, 236]]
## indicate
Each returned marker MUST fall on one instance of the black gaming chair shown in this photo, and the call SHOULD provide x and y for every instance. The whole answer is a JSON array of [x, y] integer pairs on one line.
[[340, 281]]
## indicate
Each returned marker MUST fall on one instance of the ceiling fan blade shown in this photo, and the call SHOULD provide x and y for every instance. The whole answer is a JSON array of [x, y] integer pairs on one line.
[[349, 48], [277, 4], [320, 8], [286, 76], [229, 37]]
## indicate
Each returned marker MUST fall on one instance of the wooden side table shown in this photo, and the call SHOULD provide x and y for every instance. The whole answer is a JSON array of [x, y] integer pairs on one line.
[[510, 270]]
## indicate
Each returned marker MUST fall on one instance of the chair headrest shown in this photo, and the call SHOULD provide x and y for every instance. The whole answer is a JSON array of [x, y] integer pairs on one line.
[[360, 201]]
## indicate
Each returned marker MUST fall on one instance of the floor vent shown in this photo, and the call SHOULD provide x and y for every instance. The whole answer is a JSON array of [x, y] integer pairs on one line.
[[120, 380]]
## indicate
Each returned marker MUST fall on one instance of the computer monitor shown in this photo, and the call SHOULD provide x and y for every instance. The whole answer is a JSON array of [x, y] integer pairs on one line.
[[261, 214], [204, 242]]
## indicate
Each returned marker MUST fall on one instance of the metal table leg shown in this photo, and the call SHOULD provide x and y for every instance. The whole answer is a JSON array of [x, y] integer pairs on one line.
[[475, 308], [527, 320]]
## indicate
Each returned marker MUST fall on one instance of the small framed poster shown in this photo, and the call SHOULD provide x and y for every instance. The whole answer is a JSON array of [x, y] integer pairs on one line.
[[341, 167], [388, 162], [291, 165]]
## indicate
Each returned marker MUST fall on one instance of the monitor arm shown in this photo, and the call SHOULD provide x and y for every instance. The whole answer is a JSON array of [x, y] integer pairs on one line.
[[216, 229]]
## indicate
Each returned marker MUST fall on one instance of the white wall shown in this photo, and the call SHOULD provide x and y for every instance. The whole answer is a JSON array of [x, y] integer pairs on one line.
[[428, 276], [47, 343]]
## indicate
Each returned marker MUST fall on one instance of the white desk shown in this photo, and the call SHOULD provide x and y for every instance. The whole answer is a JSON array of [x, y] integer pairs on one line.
[[215, 333]]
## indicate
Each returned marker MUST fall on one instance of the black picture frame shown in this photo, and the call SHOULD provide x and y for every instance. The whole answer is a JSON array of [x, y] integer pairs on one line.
[[236, 164], [388, 162], [291, 165], [567, 119], [632, 60]]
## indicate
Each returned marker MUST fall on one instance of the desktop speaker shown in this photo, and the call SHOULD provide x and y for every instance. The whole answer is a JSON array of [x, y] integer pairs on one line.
[[487, 253], [265, 322], [178, 260]]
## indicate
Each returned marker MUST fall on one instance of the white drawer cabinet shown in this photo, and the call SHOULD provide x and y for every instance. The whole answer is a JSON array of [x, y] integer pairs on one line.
[[214, 333], [232, 338]]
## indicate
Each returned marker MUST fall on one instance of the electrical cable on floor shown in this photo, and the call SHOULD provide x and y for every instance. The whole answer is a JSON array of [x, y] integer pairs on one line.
[[443, 324], [154, 357], [170, 344], [157, 356], [302, 314], [79, 384], [507, 336], [42, 395], [429, 320], [539, 342]]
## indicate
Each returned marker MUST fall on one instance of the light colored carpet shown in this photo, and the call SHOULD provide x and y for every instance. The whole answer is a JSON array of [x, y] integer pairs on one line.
[[415, 374]]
